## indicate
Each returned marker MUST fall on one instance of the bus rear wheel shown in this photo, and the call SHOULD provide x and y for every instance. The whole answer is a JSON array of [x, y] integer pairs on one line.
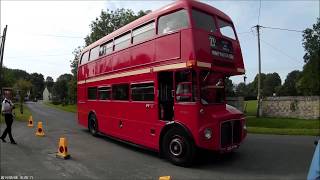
[[178, 147], [93, 125]]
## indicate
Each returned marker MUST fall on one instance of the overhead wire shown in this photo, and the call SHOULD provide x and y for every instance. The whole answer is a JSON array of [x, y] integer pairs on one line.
[[283, 29], [45, 55]]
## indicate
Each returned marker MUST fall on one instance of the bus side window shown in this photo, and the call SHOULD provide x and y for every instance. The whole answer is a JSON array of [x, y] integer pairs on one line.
[[185, 86], [84, 58], [92, 93], [106, 48], [143, 32], [142, 92], [104, 93], [120, 92], [173, 22], [122, 41], [94, 53]]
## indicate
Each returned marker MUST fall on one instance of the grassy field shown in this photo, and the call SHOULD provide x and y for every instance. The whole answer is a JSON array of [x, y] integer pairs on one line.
[[68, 108], [290, 126], [20, 117]]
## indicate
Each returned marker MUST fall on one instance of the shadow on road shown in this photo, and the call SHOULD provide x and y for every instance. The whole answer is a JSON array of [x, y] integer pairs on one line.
[[203, 159]]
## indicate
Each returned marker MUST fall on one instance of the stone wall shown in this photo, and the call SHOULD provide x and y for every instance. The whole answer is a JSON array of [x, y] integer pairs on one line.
[[303, 107], [237, 102]]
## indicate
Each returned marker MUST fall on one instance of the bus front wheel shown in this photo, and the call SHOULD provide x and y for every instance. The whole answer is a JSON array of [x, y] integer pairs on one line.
[[178, 147], [93, 125]]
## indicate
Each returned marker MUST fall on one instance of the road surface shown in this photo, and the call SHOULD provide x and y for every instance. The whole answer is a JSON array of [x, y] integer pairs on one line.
[[260, 156]]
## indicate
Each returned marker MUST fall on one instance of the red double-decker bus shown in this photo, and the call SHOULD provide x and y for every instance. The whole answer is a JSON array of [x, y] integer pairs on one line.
[[158, 82]]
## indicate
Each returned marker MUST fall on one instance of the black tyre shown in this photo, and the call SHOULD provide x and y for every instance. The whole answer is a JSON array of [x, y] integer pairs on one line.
[[178, 147], [93, 125]]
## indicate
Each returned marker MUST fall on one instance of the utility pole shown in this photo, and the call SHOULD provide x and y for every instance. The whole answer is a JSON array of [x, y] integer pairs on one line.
[[259, 76], [1, 55]]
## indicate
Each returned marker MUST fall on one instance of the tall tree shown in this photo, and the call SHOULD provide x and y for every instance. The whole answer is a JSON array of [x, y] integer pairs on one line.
[[289, 87], [22, 87], [49, 83], [37, 81], [253, 86], [61, 88], [241, 90], [229, 87], [309, 83], [271, 84]]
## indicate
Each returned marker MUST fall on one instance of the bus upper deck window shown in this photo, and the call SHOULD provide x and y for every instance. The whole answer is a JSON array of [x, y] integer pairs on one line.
[[226, 29], [203, 21], [173, 22]]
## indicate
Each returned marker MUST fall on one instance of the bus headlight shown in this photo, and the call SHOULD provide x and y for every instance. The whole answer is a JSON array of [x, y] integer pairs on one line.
[[208, 133], [245, 127]]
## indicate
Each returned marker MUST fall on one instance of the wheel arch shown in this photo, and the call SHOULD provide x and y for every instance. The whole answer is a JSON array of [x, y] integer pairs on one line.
[[93, 112], [170, 126]]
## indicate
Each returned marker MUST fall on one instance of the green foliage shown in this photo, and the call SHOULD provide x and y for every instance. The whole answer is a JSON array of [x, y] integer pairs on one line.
[[74, 63], [22, 87], [64, 89], [11, 76], [289, 87], [309, 82], [241, 90], [271, 83], [229, 88], [49, 83], [37, 81], [110, 21]]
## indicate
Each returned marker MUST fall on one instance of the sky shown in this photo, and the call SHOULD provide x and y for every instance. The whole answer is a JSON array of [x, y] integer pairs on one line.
[[42, 35]]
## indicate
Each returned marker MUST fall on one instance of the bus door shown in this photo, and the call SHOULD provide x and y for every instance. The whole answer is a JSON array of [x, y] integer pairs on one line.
[[82, 108], [166, 93], [185, 107]]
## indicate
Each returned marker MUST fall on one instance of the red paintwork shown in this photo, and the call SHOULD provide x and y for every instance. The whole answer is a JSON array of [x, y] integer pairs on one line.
[[139, 121]]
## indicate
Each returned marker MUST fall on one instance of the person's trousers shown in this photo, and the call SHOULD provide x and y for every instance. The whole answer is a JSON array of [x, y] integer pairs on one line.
[[9, 120]]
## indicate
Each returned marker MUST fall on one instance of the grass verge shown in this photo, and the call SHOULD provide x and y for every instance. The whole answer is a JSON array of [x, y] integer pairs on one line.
[[278, 131], [284, 126], [68, 108]]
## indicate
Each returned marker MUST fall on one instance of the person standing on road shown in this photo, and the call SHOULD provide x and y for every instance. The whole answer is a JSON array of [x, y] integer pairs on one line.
[[7, 112]]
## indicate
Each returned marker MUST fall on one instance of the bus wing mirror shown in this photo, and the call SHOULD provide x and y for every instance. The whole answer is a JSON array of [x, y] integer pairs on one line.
[[172, 93]]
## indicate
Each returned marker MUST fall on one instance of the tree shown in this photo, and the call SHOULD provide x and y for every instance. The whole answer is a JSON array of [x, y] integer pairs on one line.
[[11, 76], [37, 81], [253, 86], [229, 88], [49, 83], [271, 83], [110, 21], [289, 87], [74, 63], [309, 82], [61, 88], [22, 87], [241, 90]]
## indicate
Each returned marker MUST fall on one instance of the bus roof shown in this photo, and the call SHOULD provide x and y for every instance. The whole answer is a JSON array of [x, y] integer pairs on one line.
[[166, 9]]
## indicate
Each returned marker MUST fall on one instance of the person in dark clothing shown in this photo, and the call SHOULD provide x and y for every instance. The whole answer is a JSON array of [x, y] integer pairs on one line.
[[6, 110]]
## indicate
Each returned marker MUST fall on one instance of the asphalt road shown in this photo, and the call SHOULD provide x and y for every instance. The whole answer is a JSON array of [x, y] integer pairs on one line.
[[260, 156]]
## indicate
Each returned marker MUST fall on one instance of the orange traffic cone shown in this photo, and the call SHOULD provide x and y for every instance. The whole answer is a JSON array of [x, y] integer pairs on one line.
[[40, 131], [30, 122], [63, 149], [165, 178]]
